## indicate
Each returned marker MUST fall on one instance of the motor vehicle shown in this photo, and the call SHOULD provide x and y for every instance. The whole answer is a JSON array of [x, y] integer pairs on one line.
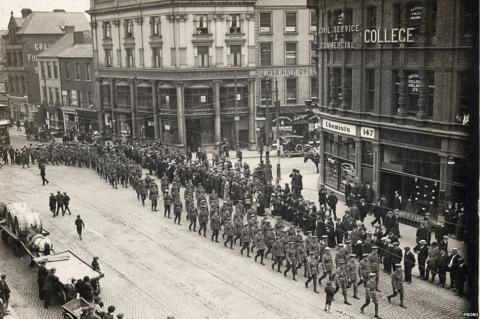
[[291, 144]]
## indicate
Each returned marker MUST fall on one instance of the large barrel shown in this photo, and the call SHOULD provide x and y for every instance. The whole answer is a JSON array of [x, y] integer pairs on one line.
[[15, 209], [38, 244], [25, 222]]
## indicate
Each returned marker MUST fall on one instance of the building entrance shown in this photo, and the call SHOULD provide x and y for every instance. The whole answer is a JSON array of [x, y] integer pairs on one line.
[[200, 133]]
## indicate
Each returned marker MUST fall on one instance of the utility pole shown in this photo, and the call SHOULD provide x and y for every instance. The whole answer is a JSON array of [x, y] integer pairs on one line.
[[237, 118], [267, 123], [277, 110]]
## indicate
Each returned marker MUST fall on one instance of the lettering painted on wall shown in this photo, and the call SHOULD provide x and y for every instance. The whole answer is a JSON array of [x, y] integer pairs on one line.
[[367, 132], [37, 47], [395, 35], [272, 72], [338, 127]]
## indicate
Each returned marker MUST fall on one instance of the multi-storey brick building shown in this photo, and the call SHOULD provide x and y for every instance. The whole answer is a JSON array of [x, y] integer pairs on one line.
[[180, 71], [396, 91], [28, 36]]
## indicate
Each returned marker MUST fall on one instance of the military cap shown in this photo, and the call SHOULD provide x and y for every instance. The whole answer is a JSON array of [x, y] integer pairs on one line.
[[341, 261], [422, 242], [395, 243], [398, 265], [324, 236], [374, 247], [372, 274], [348, 241], [328, 248], [365, 255], [314, 236], [353, 255]]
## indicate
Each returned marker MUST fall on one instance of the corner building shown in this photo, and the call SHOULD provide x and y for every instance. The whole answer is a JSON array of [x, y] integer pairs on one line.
[[395, 96], [179, 71]]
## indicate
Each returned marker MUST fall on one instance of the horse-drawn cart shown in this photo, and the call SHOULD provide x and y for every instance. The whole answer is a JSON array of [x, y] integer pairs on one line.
[[74, 308]]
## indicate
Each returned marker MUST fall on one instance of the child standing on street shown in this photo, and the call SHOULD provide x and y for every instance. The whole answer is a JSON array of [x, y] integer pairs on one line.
[[329, 293]]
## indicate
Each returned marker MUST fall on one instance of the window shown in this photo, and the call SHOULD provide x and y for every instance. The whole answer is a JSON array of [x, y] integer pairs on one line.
[[77, 71], [108, 57], [432, 21], [156, 58], [313, 53], [9, 59], [144, 96], [266, 91], [371, 17], [265, 22], [290, 53], [202, 58], [107, 30], [415, 11], [155, 24], [336, 74], [89, 98], [123, 95], [105, 94], [467, 95], [129, 56], [413, 82], [88, 72], [50, 96], [291, 22], [470, 23], [347, 89], [49, 70], [236, 55], [313, 21], [55, 70], [67, 71], [129, 28], [42, 70], [202, 24], [44, 91], [313, 87], [265, 54], [230, 97], [235, 25], [291, 84], [57, 96], [370, 88], [79, 96], [396, 90], [430, 89]]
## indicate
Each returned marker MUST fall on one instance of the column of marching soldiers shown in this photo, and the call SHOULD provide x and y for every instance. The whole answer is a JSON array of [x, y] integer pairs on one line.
[[245, 196]]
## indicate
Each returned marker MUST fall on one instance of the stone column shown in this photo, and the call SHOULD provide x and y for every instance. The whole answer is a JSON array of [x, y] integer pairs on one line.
[[99, 104], [181, 114], [343, 104], [402, 94], [252, 114], [445, 189], [218, 123], [333, 97], [376, 168], [113, 103], [422, 94], [133, 109], [155, 109], [358, 159]]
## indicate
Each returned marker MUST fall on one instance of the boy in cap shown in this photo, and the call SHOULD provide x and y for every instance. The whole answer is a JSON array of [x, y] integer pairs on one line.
[[329, 293], [397, 284]]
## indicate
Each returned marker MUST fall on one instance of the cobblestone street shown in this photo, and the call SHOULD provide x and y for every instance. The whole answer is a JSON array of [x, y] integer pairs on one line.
[[154, 268]]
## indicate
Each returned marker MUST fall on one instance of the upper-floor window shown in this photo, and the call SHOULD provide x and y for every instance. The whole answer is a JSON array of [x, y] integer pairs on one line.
[[202, 24], [42, 69], [49, 70], [129, 56], [108, 57], [265, 22], [107, 30], [50, 96], [57, 96], [77, 71], [371, 17], [290, 53], [313, 21], [313, 87], [370, 90], [55, 70], [347, 88], [469, 21], [235, 24], [156, 58], [20, 58], [291, 92], [129, 28], [155, 24], [265, 54], [430, 90], [313, 52], [202, 57], [67, 70], [266, 91], [236, 55], [9, 59], [466, 97], [290, 22], [88, 72]]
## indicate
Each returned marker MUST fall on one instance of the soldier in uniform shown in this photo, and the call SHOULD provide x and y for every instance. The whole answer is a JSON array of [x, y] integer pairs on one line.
[[229, 230], [352, 274], [260, 243], [374, 261], [245, 240], [433, 254], [270, 240], [327, 265], [53, 204], [422, 251], [215, 226], [363, 270], [312, 271], [291, 260], [167, 203], [177, 209], [192, 216], [60, 204], [397, 284], [203, 219], [370, 294], [341, 280], [278, 253]]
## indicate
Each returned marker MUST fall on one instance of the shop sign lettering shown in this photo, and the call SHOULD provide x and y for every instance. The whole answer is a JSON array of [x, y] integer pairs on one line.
[[272, 72], [367, 132], [413, 82], [341, 128]]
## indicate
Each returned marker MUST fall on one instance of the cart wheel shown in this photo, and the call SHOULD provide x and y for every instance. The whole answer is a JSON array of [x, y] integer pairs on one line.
[[287, 154], [299, 148], [66, 315]]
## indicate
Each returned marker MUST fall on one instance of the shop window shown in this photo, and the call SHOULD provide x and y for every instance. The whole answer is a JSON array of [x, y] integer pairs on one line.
[[291, 53], [235, 23], [411, 161], [266, 91], [367, 153], [328, 141], [469, 21], [370, 90], [290, 22], [123, 95], [346, 148], [265, 54], [313, 21], [291, 85], [265, 22], [108, 57]]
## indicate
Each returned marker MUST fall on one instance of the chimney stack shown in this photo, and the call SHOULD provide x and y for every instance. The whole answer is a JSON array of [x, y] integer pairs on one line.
[[26, 12]]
